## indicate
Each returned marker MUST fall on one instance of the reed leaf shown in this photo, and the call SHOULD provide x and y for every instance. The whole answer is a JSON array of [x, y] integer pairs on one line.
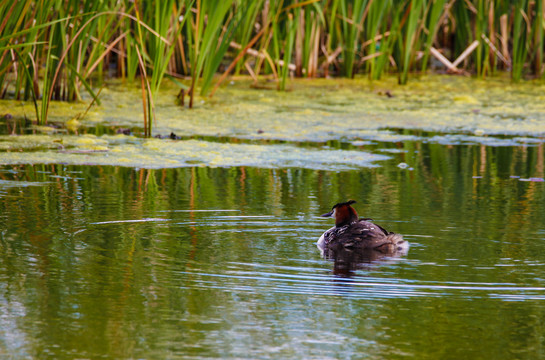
[[47, 87], [213, 62], [288, 50], [432, 24], [410, 39], [520, 34], [30, 78], [353, 18], [206, 37], [538, 31], [377, 12], [248, 20], [62, 47]]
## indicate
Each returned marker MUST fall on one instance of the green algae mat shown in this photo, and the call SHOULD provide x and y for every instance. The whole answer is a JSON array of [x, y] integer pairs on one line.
[[244, 126]]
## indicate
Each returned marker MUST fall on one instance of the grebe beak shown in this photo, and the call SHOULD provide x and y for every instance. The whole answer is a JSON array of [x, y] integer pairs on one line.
[[329, 214]]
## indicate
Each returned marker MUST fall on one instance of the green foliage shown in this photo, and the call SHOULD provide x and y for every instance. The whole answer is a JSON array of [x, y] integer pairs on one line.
[[353, 14], [208, 46], [248, 20], [434, 12], [291, 29], [520, 36], [411, 38], [58, 50]]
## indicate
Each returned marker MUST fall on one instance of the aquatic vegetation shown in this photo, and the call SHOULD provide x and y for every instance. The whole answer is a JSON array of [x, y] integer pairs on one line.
[[208, 43], [356, 112], [58, 50], [129, 151]]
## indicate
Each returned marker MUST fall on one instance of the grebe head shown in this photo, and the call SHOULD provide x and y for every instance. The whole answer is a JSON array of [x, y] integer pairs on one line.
[[343, 213]]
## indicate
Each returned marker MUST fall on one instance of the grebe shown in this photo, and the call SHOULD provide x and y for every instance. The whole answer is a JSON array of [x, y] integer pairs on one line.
[[353, 233]]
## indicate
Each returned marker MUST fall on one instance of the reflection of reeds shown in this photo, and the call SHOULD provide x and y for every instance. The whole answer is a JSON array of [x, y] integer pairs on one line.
[[53, 50]]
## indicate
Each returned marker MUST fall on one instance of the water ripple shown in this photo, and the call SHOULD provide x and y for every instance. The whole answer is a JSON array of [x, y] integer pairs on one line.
[[314, 281]]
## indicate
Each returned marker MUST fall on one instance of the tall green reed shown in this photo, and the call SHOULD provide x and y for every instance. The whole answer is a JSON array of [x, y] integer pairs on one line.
[[56, 50], [249, 24], [154, 49], [373, 29], [520, 35], [435, 9], [203, 38], [353, 15], [311, 20], [411, 38], [538, 35], [291, 28]]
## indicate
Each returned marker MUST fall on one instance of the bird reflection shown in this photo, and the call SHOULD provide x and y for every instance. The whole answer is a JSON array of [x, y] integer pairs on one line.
[[346, 261]]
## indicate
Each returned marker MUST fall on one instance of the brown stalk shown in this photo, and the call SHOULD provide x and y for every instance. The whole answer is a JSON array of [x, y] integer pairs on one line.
[[63, 56], [495, 50], [332, 57], [492, 33], [145, 85], [471, 7], [313, 58], [406, 15], [466, 53], [266, 40], [34, 77], [296, 5], [443, 60], [263, 55], [271, 63], [237, 59], [91, 104], [376, 38], [98, 41], [7, 16], [14, 66], [349, 21], [365, 12], [108, 49], [299, 44], [504, 39], [446, 12], [196, 55], [251, 72], [369, 57], [2, 61], [144, 105]]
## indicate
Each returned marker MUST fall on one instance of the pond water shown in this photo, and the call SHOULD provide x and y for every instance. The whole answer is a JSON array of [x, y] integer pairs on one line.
[[201, 262], [203, 247]]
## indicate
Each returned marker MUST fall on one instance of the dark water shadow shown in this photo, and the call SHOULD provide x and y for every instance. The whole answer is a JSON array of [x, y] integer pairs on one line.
[[346, 261]]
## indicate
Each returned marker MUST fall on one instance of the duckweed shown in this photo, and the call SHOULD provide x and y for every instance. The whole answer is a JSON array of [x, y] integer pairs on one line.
[[462, 110], [157, 153]]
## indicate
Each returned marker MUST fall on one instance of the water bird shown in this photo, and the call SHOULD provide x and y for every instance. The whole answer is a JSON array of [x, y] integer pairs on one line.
[[353, 233]]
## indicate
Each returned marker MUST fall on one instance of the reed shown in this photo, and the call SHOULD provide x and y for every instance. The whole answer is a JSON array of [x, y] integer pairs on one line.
[[411, 38], [434, 12], [291, 28], [353, 16], [370, 48], [208, 42], [539, 34], [56, 50], [249, 22], [520, 35], [155, 48]]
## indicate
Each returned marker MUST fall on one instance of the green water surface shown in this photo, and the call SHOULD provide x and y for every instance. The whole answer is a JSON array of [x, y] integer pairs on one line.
[[113, 246], [221, 263]]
